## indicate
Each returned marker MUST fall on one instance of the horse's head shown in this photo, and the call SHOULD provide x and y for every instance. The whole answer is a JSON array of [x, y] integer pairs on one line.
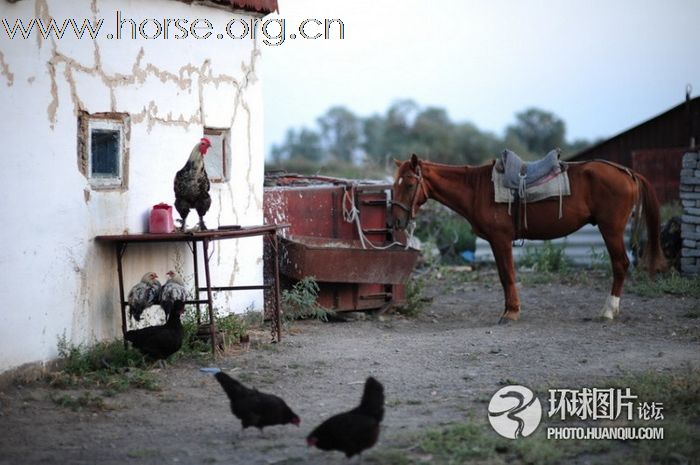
[[408, 191]]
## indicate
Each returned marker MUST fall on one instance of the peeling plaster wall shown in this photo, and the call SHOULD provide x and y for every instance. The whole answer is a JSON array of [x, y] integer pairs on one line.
[[56, 279]]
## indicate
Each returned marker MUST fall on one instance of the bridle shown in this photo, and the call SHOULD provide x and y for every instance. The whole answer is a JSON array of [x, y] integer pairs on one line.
[[420, 185]]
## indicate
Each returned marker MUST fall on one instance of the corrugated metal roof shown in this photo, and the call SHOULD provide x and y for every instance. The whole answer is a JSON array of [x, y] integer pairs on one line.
[[672, 128]]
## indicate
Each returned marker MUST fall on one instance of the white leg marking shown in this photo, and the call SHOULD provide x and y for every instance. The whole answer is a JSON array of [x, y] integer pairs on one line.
[[611, 309]]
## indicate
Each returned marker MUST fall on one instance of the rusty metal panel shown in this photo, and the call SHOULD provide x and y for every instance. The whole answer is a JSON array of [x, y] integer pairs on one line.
[[343, 261], [352, 296], [662, 167], [320, 242], [311, 211], [372, 206], [319, 210]]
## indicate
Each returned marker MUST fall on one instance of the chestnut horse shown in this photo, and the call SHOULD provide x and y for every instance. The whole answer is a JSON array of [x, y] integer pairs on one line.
[[601, 193]]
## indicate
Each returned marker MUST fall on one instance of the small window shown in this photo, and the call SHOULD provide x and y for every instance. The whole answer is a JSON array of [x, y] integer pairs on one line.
[[216, 161], [104, 149], [103, 146]]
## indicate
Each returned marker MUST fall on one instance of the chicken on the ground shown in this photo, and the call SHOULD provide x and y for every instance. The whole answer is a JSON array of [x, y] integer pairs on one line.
[[255, 408], [356, 430]]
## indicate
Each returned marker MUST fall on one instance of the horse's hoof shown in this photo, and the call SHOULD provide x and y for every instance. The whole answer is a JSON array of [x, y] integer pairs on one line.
[[503, 321]]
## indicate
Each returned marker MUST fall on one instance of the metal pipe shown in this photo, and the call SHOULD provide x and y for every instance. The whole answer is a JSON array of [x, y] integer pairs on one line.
[[237, 288], [212, 325], [275, 258], [120, 249], [196, 280]]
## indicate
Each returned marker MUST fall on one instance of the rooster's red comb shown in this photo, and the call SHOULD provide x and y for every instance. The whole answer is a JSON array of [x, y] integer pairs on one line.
[[204, 140]]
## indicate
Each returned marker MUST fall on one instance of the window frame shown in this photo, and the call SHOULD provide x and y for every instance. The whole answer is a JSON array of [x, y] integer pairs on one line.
[[109, 121], [225, 134]]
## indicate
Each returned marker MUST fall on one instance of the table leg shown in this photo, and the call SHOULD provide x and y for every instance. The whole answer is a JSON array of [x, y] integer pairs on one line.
[[212, 325], [276, 317], [195, 264], [121, 248]]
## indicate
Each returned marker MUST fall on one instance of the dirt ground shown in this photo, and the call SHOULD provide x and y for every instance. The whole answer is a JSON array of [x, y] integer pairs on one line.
[[435, 368]]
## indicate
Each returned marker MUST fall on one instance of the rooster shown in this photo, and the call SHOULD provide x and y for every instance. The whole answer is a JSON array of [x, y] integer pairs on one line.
[[160, 342], [255, 408], [172, 291], [144, 294], [353, 431], [191, 185]]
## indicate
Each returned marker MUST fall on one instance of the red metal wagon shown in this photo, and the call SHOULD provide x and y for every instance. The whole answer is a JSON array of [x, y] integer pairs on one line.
[[340, 234]]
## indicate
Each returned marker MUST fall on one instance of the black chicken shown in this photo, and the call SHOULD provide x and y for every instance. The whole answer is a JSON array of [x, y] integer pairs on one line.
[[144, 294], [255, 408], [160, 342], [191, 185], [353, 431]]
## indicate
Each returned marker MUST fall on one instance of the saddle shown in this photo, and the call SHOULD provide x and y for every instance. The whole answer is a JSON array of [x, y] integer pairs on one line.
[[520, 182], [520, 175]]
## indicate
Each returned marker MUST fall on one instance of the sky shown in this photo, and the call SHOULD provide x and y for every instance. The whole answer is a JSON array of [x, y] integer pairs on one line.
[[601, 66]]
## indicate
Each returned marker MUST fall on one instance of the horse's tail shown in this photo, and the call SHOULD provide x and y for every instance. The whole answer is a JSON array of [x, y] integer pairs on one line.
[[648, 205]]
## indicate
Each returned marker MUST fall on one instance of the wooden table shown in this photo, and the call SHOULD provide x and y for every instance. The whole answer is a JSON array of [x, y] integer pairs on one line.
[[205, 238]]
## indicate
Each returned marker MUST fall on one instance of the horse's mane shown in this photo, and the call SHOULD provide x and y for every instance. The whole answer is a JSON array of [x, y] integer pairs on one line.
[[470, 171], [487, 164]]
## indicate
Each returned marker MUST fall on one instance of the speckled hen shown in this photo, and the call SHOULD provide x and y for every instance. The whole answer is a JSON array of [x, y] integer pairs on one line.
[[172, 291], [191, 185], [144, 294]]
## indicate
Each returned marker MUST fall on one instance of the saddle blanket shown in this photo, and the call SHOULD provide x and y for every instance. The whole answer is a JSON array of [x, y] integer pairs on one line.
[[555, 187]]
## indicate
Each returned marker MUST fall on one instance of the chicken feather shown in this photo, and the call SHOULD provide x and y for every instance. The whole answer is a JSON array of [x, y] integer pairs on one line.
[[191, 186], [255, 408], [144, 294], [172, 291], [353, 431], [160, 342]]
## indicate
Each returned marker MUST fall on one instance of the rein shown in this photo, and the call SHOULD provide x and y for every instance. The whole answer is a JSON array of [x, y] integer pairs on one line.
[[421, 185]]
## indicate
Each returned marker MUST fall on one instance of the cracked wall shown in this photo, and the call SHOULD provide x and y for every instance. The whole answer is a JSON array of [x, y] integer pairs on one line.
[[171, 91]]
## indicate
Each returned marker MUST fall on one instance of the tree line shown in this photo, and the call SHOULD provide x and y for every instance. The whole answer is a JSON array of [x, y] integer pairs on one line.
[[342, 140]]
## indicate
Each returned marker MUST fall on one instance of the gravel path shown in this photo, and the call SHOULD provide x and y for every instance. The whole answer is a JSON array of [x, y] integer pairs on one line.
[[435, 369]]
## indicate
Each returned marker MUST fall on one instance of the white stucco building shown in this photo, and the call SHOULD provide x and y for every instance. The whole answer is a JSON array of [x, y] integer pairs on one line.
[[94, 130]]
